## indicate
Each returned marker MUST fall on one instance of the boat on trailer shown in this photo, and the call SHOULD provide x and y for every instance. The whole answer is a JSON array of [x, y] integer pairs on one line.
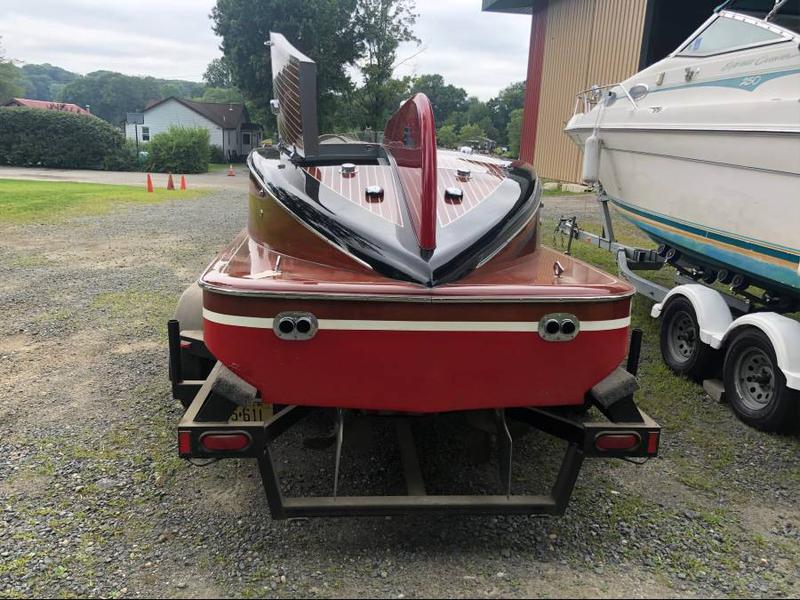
[[701, 150], [399, 279]]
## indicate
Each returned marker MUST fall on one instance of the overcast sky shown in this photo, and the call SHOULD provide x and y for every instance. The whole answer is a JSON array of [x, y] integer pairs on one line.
[[481, 52]]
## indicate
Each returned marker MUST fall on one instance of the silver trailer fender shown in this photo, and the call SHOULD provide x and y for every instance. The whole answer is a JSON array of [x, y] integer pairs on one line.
[[717, 326], [713, 314]]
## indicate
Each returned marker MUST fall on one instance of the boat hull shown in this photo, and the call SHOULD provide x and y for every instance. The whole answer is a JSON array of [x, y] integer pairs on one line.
[[706, 158], [388, 345], [418, 357], [721, 198]]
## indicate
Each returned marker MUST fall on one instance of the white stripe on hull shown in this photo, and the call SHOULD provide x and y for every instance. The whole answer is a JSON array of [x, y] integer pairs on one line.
[[451, 326]]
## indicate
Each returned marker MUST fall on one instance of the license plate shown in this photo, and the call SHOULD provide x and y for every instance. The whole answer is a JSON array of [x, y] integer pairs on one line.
[[253, 413]]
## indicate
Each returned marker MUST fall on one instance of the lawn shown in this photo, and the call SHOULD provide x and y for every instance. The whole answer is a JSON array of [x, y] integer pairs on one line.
[[46, 201]]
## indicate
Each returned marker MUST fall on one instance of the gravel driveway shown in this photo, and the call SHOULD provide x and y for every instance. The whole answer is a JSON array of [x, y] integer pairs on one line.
[[93, 500]]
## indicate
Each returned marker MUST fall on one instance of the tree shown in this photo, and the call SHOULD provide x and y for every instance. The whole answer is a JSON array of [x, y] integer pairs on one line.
[[446, 99], [112, 95], [169, 90], [381, 26], [514, 131], [9, 79], [43, 82], [508, 100], [324, 30], [215, 94], [470, 132], [475, 113], [447, 137], [218, 74]]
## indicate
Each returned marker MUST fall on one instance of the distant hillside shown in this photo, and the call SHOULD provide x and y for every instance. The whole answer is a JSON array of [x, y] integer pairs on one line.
[[45, 82], [109, 95]]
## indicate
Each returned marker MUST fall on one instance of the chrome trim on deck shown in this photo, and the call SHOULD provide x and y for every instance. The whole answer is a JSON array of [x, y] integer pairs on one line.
[[418, 299]]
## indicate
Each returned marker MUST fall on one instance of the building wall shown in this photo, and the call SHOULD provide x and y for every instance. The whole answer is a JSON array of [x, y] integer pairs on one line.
[[160, 118], [588, 42]]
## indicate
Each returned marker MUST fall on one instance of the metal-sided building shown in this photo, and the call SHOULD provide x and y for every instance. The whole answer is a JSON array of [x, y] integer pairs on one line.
[[579, 43]]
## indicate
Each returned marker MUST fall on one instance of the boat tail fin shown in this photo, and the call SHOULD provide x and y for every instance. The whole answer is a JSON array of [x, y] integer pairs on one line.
[[410, 140]]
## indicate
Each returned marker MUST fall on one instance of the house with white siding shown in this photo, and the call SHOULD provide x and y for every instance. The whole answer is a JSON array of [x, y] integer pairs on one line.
[[228, 123]]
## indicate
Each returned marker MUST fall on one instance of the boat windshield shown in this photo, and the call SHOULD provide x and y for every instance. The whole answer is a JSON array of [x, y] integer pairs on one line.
[[786, 14]]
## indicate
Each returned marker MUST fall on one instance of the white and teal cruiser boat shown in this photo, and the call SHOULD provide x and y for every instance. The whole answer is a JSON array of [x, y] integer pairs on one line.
[[702, 150]]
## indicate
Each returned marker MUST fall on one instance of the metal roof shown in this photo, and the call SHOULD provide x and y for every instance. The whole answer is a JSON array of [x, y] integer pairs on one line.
[[513, 6], [47, 105]]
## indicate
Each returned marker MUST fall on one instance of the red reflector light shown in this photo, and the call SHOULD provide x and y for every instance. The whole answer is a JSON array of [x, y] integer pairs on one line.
[[617, 441], [652, 443], [221, 442], [185, 344], [184, 443]]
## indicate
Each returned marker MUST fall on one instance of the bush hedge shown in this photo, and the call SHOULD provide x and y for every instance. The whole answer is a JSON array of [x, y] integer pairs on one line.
[[217, 155], [179, 150], [32, 137]]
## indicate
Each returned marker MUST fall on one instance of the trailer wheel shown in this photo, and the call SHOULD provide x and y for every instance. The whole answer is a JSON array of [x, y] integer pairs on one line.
[[755, 385], [681, 347]]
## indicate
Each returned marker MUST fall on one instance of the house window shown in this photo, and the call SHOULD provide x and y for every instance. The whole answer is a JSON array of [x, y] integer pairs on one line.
[[246, 139], [145, 134]]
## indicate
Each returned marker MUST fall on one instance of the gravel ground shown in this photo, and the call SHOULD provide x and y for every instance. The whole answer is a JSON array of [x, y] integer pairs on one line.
[[94, 501]]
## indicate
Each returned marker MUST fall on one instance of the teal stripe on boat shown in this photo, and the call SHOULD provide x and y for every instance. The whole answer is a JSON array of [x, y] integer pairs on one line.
[[792, 257], [748, 83], [732, 258]]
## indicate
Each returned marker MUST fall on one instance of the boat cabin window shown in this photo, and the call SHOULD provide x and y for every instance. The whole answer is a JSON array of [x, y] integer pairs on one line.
[[785, 14], [727, 34]]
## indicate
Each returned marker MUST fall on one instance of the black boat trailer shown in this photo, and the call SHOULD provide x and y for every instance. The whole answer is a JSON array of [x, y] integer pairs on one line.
[[205, 432]]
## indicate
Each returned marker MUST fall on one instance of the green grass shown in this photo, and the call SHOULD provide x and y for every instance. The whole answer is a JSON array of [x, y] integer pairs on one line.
[[137, 310], [218, 167], [47, 201]]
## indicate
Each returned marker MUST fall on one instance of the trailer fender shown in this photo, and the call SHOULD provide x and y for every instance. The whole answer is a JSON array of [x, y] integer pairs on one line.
[[783, 334], [713, 314], [190, 309]]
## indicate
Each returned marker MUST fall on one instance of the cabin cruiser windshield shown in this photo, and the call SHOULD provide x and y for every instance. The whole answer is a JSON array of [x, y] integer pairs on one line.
[[785, 13]]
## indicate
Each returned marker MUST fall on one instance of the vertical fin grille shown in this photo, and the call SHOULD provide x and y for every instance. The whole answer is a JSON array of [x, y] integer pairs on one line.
[[294, 82]]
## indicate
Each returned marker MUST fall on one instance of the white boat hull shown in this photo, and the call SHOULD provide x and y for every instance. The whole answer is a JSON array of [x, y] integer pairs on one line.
[[710, 168]]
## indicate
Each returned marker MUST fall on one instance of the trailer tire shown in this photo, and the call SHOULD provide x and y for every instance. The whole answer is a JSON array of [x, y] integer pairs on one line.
[[681, 348], [755, 385]]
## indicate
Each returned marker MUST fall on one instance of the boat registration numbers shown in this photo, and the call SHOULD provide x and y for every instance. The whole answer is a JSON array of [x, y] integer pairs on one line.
[[252, 413]]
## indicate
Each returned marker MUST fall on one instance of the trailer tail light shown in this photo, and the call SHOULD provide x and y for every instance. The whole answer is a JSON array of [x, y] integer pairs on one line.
[[184, 443], [608, 442], [225, 442], [652, 443]]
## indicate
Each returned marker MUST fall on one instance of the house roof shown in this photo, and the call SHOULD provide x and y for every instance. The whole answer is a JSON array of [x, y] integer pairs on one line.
[[47, 105], [228, 115]]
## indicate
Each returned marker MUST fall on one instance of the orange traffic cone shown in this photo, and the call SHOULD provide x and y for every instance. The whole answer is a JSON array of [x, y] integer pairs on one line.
[[170, 183], [231, 172], [149, 183], [183, 182]]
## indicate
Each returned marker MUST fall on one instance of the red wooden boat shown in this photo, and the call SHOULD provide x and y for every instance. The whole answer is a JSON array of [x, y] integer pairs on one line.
[[396, 277], [407, 279]]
